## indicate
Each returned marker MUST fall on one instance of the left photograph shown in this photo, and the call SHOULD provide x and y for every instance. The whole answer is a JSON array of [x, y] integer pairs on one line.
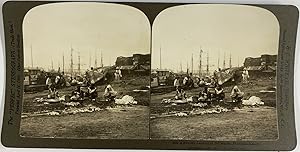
[[86, 72]]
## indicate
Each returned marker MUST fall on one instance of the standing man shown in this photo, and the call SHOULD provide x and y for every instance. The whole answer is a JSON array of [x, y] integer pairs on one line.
[[185, 80], [117, 76], [245, 75], [49, 83], [120, 73], [57, 81], [176, 83]]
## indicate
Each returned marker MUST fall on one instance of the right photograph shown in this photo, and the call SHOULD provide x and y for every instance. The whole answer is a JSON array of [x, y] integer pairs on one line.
[[213, 73]]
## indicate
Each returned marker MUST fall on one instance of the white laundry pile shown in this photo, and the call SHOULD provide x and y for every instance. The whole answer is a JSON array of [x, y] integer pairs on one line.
[[38, 100], [181, 114], [45, 100], [215, 110], [266, 91], [71, 103], [269, 90], [136, 90], [53, 113], [174, 101], [199, 104], [72, 110], [190, 99], [166, 101], [87, 109], [126, 100], [253, 101]]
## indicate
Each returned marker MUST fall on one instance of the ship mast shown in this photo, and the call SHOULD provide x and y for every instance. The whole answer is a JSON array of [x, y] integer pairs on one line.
[[219, 59], [160, 57], [95, 58], [101, 59], [200, 61], [90, 59], [180, 67], [207, 66], [63, 64], [78, 62], [224, 64], [192, 70], [230, 65], [31, 56], [71, 66]]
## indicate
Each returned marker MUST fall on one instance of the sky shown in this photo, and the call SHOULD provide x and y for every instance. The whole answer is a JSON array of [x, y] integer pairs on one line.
[[51, 30], [182, 31]]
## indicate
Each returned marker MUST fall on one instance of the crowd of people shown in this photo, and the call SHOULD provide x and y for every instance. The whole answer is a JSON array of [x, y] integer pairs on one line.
[[118, 74], [84, 88], [78, 94], [184, 82], [211, 90]]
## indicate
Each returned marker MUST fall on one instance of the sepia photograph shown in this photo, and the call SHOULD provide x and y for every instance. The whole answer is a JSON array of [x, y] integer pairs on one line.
[[149, 75], [86, 72], [213, 73]]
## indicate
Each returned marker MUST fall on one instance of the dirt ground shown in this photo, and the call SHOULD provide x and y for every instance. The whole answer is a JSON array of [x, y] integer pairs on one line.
[[258, 123], [246, 124], [116, 123], [122, 122]]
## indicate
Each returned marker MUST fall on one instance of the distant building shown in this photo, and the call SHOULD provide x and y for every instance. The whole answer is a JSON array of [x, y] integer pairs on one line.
[[266, 64], [269, 60], [34, 79], [141, 59], [161, 77], [138, 64], [124, 61]]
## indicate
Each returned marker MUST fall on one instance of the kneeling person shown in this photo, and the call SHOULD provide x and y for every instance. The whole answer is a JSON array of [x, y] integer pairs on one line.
[[220, 95], [77, 94], [92, 92], [109, 93], [180, 95]]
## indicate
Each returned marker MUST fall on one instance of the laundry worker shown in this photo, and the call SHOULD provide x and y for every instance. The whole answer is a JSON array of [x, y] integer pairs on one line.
[[201, 82], [92, 92], [176, 83], [220, 95], [49, 82], [53, 93], [202, 96], [57, 81], [185, 80], [77, 94], [237, 95], [109, 93], [209, 92], [180, 94], [190, 81]]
